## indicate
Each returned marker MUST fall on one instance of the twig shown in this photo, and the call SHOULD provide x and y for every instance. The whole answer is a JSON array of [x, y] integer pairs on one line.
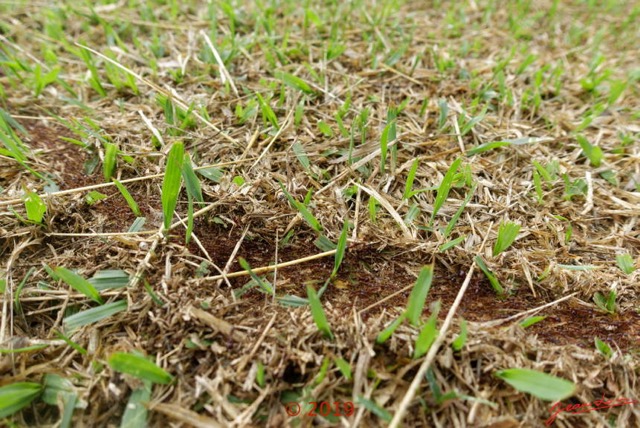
[[272, 267], [435, 347], [224, 73]]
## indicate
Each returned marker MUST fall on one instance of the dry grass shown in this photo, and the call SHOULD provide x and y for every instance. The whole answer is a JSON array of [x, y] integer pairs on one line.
[[537, 74]]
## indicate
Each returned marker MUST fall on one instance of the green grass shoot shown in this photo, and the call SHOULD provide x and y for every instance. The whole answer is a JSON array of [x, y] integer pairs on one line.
[[606, 304], [385, 334], [127, 197], [459, 342], [428, 333], [507, 234], [495, 284], [344, 368], [94, 315], [16, 396], [139, 367], [538, 384], [79, 284], [603, 347], [625, 263], [35, 207], [110, 160], [191, 181], [340, 249], [109, 279], [418, 295], [374, 408], [172, 182], [325, 129], [528, 322], [486, 147], [294, 82], [317, 312], [303, 210], [592, 152], [444, 188], [268, 116], [452, 223], [135, 414], [59, 391], [410, 178], [264, 285]]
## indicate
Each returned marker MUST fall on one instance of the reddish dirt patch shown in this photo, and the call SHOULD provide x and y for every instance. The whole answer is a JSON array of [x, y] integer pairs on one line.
[[67, 161], [64, 159], [366, 277]]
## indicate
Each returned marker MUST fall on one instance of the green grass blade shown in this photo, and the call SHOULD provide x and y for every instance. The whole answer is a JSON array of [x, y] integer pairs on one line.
[[456, 216], [490, 276], [109, 164], [450, 244], [625, 263], [527, 322], [374, 408], [444, 113], [324, 243], [268, 116], [384, 144], [344, 368], [459, 342], [135, 414], [139, 367], [58, 390], [301, 155], [23, 282], [79, 284], [127, 197], [35, 206], [538, 384], [71, 343], [293, 301], [419, 294], [592, 152], [603, 348], [266, 287], [486, 147], [303, 210], [428, 334], [317, 312], [172, 182], [410, 178], [94, 315], [25, 349], [507, 233], [211, 173], [294, 82], [325, 129], [445, 187], [94, 196], [17, 396], [137, 224], [189, 231], [191, 181], [340, 249]]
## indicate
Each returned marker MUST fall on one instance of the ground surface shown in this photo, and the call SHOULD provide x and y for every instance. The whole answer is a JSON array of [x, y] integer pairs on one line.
[[310, 97]]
